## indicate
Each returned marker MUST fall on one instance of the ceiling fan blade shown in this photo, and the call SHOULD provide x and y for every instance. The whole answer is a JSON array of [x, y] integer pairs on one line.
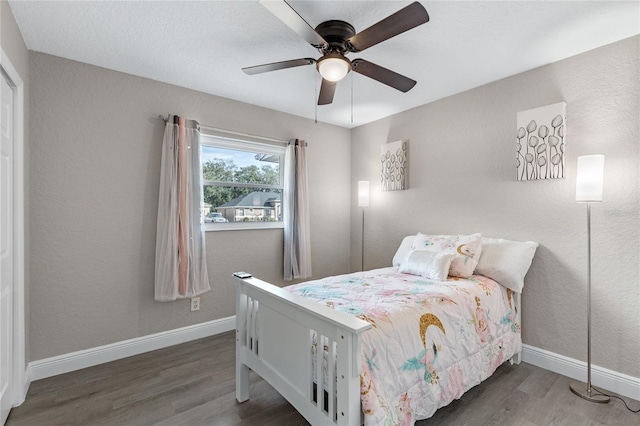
[[403, 20], [290, 17], [258, 69], [327, 90], [383, 75]]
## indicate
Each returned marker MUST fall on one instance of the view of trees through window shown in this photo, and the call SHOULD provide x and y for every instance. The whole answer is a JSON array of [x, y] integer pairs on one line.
[[241, 186]]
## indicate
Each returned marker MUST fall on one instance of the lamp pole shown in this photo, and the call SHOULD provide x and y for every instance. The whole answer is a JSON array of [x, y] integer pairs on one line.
[[363, 201], [362, 257]]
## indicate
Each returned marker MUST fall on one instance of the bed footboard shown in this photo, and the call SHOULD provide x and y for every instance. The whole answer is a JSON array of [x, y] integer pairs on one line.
[[275, 332]]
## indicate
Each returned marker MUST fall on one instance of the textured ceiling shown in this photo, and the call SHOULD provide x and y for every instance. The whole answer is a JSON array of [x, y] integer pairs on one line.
[[203, 45]]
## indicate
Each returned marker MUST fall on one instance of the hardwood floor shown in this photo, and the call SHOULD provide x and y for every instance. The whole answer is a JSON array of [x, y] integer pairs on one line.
[[194, 384]]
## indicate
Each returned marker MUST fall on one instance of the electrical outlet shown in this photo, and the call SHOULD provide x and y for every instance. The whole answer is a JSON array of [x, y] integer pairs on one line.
[[195, 304]]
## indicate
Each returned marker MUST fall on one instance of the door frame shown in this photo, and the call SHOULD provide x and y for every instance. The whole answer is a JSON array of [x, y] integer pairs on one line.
[[20, 378]]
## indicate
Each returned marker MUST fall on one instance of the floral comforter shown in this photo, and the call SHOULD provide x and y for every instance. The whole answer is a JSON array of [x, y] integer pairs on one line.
[[430, 341]]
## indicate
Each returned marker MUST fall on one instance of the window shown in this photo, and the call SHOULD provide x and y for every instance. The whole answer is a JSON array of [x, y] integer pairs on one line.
[[242, 183]]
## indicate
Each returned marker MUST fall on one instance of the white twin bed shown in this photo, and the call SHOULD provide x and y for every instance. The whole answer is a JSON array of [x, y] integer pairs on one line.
[[395, 343]]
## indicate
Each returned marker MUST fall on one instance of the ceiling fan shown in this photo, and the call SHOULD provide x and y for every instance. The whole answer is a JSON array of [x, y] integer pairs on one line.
[[334, 39]]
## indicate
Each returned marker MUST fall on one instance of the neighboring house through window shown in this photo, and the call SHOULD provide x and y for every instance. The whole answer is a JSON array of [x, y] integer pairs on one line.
[[242, 183]]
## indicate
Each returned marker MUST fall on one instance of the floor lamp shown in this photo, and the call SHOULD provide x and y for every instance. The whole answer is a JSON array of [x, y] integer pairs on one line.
[[589, 183], [363, 201]]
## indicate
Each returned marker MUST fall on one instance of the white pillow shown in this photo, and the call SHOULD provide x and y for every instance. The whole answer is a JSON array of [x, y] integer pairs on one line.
[[403, 250], [465, 248], [505, 261], [428, 264]]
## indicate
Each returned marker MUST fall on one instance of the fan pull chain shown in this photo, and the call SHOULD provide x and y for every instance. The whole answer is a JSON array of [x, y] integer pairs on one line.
[[315, 94], [352, 98]]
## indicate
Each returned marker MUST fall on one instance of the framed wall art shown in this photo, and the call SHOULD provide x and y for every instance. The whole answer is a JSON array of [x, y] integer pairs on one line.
[[540, 142], [394, 162]]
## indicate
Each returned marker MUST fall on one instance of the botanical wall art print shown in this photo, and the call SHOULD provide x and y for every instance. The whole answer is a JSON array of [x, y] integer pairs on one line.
[[394, 162], [540, 142]]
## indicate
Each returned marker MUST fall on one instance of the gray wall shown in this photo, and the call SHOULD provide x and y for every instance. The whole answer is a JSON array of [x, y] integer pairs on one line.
[[94, 182], [14, 47], [95, 171], [462, 180]]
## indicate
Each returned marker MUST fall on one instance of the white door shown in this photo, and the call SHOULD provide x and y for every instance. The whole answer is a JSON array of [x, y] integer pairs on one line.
[[6, 249]]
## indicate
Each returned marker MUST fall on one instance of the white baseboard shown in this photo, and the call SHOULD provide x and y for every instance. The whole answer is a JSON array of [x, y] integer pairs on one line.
[[610, 380], [60, 364]]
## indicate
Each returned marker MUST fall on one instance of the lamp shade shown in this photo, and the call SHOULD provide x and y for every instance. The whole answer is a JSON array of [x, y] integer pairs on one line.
[[363, 193], [589, 179]]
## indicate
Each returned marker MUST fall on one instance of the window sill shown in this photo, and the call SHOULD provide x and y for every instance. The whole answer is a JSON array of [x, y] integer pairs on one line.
[[241, 226]]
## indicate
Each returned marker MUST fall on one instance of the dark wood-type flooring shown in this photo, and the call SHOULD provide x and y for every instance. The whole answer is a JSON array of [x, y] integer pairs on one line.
[[194, 384]]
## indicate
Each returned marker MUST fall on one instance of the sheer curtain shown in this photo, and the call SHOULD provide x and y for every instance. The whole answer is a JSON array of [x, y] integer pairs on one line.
[[297, 241], [181, 267]]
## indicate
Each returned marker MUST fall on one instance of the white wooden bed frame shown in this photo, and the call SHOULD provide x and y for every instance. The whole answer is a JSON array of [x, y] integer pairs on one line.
[[275, 342]]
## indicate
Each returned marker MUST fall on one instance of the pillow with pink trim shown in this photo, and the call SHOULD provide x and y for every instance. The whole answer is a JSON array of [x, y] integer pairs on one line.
[[466, 250]]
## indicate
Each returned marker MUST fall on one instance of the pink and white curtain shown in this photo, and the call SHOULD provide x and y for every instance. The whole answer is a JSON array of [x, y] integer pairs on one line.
[[181, 267], [297, 238]]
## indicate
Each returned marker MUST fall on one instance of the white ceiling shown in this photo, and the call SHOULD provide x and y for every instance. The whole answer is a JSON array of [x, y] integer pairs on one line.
[[203, 45]]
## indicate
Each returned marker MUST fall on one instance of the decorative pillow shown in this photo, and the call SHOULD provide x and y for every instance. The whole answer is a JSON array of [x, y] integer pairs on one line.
[[428, 264], [403, 250], [506, 262], [466, 249]]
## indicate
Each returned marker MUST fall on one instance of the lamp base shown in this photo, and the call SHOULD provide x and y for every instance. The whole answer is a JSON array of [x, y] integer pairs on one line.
[[581, 390]]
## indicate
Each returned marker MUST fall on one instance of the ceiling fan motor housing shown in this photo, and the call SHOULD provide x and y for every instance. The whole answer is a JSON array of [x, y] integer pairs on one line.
[[336, 33]]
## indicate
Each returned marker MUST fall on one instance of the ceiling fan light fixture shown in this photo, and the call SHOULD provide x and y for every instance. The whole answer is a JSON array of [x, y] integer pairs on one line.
[[334, 67]]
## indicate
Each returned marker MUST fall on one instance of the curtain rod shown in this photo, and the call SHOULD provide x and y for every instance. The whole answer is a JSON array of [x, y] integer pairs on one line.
[[232, 132]]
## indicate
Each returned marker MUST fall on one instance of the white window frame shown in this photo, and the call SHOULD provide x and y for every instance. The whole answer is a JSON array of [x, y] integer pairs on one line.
[[213, 140]]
